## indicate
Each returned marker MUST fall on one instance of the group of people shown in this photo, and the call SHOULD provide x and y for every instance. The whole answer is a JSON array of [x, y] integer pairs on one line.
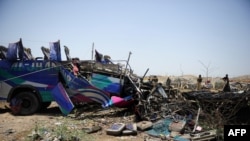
[[226, 87]]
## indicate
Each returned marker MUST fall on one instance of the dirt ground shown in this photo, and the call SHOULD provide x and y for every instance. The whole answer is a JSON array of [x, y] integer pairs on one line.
[[22, 128], [13, 128]]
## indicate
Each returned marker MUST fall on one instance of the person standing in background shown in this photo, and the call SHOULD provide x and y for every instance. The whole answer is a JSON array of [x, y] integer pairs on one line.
[[226, 87], [199, 80], [168, 83]]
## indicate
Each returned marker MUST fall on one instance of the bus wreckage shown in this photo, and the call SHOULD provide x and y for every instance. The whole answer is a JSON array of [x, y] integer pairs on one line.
[[30, 84]]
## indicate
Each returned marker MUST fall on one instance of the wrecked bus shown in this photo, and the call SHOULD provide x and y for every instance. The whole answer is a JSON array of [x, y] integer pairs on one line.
[[29, 84], [26, 82]]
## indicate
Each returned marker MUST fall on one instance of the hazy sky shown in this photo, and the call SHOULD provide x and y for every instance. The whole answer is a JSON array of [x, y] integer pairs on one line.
[[170, 37]]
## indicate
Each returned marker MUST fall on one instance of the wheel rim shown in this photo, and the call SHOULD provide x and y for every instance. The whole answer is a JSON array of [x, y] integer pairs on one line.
[[26, 103]]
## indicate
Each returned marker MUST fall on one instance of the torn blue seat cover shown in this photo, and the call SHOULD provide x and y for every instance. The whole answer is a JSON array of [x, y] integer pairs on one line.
[[160, 128]]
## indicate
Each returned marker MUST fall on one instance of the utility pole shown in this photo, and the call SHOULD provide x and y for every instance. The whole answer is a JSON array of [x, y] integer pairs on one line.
[[92, 58], [127, 63]]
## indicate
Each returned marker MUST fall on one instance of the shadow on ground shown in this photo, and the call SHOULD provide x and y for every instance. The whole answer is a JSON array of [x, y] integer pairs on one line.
[[47, 111]]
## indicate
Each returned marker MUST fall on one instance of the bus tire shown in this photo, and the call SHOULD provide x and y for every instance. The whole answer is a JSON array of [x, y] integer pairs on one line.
[[26, 103]]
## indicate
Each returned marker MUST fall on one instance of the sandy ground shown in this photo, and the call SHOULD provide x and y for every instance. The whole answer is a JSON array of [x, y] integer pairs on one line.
[[13, 128]]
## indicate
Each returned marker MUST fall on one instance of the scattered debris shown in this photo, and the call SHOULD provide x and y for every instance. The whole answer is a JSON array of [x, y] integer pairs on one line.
[[144, 125], [116, 129], [130, 129], [9, 131], [92, 129]]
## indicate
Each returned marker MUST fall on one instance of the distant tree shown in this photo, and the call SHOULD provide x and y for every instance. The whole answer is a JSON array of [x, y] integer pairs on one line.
[[207, 69]]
